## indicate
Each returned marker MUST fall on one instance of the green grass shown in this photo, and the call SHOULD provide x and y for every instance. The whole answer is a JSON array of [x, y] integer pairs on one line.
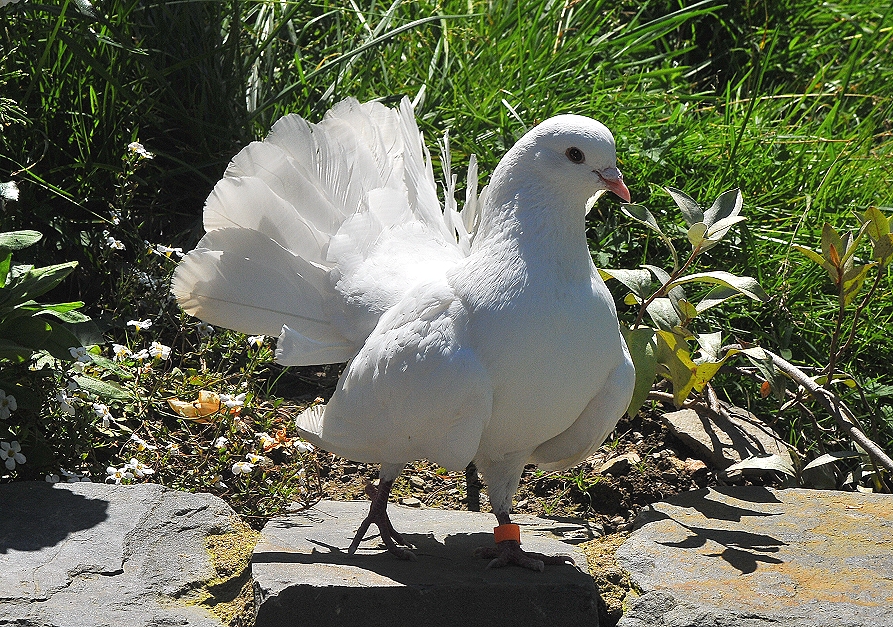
[[788, 100]]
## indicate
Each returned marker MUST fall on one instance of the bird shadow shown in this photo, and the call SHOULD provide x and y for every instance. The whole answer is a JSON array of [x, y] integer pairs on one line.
[[441, 560], [43, 515], [743, 550]]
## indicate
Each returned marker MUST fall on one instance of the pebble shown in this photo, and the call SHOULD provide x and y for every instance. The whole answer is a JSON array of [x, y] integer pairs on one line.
[[410, 501], [417, 482]]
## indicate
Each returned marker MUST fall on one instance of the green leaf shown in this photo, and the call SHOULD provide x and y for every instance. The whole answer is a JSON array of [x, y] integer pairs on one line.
[[16, 240], [13, 351], [853, 280], [696, 234], [674, 353], [643, 350], [819, 259], [878, 223], [829, 458], [60, 341], [637, 281], [28, 332], [716, 296], [690, 209], [764, 462], [685, 309], [35, 282], [832, 246], [5, 263], [763, 362], [728, 204], [744, 284], [719, 228], [113, 367], [663, 314], [643, 216], [882, 248], [63, 311], [107, 390], [710, 344]]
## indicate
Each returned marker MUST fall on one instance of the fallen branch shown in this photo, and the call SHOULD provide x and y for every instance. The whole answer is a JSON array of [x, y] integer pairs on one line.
[[833, 405]]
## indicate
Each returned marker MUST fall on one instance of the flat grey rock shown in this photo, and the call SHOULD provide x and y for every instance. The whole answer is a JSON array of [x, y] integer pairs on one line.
[[96, 555], [304, 576], [754, 557], [725, 441]]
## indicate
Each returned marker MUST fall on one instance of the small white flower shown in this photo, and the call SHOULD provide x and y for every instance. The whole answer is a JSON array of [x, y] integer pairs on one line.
[[256, 340], [266, 440], [139, 469], [121, 352], [141, 444], [217, 482], [114, 244], [140, 150], [159, 350], [221, 442], [165, 251], [115, 217], [232, 402], [102, 411], [118, 474], [7, 405], [9, 191], [52, 478], [242, 468], [141, 355], [80, 354], [75, 477], [139, 325], [65, 401], [204, 329], [253, 458], [11, 454]]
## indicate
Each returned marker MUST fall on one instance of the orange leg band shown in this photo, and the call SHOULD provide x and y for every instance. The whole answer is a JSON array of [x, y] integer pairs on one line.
[[507, 532]]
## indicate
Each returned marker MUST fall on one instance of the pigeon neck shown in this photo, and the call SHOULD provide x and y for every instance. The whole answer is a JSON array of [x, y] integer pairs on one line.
[[547, 228]]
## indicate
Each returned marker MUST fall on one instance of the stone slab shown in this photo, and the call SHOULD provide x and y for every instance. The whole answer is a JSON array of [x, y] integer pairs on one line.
[[756, 557], [95, 555], [304, 576], [725, 441]]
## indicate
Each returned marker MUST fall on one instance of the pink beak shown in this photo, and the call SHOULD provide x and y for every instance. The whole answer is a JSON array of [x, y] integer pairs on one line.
[[613, 180]]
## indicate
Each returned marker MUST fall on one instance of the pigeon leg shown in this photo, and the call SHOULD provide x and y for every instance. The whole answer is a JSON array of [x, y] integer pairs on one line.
[[508, 549], [378, 514]]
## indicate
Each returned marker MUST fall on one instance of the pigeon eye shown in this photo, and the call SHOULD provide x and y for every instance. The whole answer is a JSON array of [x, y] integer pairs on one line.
[[575, 155]]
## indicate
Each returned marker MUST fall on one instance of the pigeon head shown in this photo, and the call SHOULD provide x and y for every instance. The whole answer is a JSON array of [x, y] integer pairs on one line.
[[574, 155]]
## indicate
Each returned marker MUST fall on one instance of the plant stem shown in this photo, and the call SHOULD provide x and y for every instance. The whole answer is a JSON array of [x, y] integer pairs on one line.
[[663, 291]]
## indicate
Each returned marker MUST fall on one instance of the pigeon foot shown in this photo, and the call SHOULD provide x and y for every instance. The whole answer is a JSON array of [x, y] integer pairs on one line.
[[378, 514], [510, 552]]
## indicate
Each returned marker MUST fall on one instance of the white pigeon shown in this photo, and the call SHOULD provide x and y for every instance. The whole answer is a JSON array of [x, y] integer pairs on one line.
[[483, 335]]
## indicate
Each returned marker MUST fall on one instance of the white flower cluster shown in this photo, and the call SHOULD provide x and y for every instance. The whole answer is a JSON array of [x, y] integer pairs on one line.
[[132, 469], [140, 150]]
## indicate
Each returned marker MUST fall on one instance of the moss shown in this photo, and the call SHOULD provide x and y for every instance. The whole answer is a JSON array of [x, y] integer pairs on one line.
[[611, 581], [230, 595]]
